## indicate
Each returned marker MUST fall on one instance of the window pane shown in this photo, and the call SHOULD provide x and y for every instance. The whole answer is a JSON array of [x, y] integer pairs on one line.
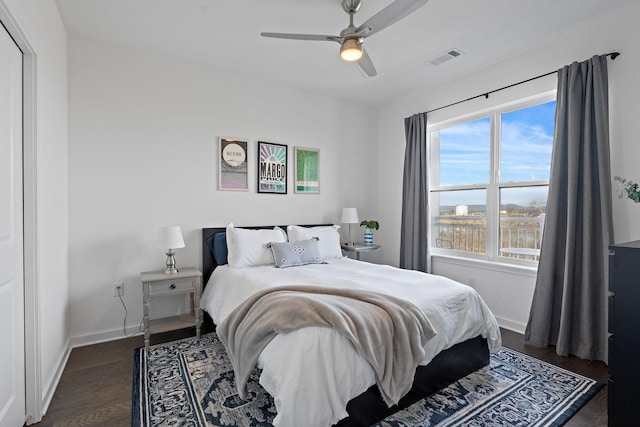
[[522, 214], [462, 221], [527, 137], [464, 153]]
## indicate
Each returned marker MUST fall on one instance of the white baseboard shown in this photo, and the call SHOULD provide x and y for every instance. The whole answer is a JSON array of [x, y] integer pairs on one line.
[[511, 325], [105, 336], [52, 383]]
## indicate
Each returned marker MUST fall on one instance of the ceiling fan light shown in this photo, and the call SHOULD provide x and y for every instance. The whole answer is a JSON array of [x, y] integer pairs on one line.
[[351, 50]]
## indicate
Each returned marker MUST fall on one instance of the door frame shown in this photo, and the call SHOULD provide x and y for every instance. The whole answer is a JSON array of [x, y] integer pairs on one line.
[[33, 369]]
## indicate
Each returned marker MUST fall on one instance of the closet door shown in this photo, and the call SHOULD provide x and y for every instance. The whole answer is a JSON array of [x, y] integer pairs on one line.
[[12, 374]]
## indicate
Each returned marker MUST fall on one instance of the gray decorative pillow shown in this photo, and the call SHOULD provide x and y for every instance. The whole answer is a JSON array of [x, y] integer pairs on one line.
[[290, 254]]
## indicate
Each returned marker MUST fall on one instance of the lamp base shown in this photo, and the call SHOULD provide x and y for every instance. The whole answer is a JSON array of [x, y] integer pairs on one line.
[[171, 263]]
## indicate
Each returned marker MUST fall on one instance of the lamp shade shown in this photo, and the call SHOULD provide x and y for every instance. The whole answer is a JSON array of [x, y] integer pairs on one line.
[[349, 216], [170, 237], [351, 50]]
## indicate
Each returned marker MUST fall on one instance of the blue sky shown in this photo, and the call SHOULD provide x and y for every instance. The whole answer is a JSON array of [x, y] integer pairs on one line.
[[464, 153], [527, 137]]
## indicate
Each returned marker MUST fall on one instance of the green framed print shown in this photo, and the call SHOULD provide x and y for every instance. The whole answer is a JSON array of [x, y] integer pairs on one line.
[[307, 170], [272, 168], [232, 165]]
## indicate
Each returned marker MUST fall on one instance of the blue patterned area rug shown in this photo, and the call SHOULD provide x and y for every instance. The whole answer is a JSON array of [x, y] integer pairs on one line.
[[191, 383]]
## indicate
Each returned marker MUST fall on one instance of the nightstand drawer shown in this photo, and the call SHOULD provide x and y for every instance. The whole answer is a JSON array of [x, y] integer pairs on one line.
[[171, 286]]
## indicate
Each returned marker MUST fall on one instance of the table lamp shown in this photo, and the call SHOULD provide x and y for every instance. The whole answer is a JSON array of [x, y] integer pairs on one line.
[[349, 216], [170, 237]]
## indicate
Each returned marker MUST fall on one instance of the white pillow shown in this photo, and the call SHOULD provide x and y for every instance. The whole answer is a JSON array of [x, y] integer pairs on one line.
[[248, 248], [328, 238]]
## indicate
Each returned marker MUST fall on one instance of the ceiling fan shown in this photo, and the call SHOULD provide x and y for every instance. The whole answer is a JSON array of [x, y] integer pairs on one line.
[[352, 37]]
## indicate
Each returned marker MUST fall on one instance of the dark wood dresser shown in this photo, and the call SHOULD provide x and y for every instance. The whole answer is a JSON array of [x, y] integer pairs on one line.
[[624, 333]]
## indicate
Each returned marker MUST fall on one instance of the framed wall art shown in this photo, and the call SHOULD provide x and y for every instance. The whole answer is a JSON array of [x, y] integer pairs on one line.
[[272, 168], [307, 170], [233, 165]]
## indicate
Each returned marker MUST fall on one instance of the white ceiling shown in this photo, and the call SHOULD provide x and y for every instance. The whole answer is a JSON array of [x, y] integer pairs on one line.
[[225, 34]]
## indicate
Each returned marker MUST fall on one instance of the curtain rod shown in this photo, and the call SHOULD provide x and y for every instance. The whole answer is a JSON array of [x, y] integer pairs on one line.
[[613, 55]]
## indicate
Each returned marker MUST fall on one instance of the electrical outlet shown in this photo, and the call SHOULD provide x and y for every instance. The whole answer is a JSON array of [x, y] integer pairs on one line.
[[118, 289]]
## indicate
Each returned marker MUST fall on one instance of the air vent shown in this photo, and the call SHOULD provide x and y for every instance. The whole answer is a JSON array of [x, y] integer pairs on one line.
[[449, 54]]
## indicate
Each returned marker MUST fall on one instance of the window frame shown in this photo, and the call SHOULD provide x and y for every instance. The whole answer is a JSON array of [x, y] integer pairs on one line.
[[493, 187]]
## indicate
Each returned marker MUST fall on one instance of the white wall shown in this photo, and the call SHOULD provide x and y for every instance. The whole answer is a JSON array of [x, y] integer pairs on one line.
[[142, 152], [509, 293], [43, 38]]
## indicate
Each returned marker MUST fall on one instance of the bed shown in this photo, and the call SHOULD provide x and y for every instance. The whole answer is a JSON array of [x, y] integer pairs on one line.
[[316, 369]]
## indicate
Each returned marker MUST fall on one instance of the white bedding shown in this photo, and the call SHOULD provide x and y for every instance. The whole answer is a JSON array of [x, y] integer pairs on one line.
[[312, 373]]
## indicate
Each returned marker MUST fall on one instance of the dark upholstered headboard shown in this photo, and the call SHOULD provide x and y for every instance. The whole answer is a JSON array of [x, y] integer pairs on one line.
[[208, 261]]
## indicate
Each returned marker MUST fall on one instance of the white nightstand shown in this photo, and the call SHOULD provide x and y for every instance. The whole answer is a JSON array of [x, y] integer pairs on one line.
[[157, 284], [358, 248]]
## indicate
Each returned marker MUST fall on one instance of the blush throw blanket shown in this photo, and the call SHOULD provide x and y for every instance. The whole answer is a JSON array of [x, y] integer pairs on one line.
[[390, 333]]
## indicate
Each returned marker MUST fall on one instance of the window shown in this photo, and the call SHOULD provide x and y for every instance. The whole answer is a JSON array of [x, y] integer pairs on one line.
[[489, 182]]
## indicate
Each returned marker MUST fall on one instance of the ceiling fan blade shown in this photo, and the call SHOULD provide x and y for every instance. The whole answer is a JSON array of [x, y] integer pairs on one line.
[[366, 64], [313, 37], [389, 15]]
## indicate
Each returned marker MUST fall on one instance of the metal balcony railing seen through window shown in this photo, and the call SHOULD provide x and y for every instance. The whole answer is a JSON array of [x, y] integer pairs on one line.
[[520, 237]]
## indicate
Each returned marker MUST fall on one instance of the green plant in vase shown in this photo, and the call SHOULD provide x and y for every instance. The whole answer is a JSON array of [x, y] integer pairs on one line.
[[369, 225]]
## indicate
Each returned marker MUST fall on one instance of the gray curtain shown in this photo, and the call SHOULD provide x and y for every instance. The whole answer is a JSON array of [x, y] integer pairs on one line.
[[413, 233], [569, 301]]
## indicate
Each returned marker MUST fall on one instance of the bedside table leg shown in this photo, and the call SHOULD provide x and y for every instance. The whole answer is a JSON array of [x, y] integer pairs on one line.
[[145, 318], [196, 306]]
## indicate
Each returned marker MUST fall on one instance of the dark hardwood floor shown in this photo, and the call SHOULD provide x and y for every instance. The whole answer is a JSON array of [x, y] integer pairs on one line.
[[95, 388]]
